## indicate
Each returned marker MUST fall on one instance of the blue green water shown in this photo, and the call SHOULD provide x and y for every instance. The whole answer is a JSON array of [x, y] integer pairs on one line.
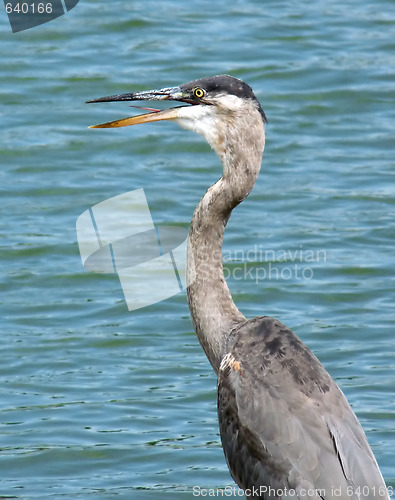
[[96, 401]]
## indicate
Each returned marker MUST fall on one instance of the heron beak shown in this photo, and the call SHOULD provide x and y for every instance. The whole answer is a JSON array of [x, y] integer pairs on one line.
[[172, 94]]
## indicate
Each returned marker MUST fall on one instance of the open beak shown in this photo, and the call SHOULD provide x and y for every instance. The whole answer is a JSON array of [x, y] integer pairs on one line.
[[172, 94]]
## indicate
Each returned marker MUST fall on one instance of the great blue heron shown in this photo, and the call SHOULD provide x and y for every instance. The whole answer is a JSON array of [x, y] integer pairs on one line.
[[286, 428]]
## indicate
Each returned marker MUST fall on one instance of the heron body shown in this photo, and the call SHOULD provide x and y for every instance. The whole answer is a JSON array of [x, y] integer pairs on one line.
[[286, 428]]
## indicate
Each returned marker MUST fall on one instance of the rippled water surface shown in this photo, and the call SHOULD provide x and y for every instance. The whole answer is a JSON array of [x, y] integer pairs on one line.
[[100, 402]]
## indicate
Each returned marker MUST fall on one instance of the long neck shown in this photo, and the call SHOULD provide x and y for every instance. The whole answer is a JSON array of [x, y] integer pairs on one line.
[[213, 311]]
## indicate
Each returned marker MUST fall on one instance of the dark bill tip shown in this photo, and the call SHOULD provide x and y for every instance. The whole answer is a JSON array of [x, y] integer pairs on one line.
[[112, 98]]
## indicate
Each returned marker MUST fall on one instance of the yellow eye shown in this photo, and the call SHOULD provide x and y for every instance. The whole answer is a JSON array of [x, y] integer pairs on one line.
[[198, 92]]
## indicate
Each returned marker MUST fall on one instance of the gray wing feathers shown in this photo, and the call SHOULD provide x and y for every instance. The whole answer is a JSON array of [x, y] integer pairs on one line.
[[355, 456], [284, 423]]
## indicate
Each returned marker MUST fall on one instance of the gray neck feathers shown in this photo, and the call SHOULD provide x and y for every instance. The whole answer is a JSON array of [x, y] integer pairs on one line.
[[213, 311]]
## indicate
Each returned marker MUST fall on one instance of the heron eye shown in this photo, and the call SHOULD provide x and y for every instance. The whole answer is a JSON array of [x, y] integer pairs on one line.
[[198, 92]]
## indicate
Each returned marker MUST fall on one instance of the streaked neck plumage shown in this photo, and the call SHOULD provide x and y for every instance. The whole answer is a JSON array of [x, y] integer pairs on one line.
[[239, 142]]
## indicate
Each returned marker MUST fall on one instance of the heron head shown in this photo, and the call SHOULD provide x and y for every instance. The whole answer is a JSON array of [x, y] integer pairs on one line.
[[209, 107]]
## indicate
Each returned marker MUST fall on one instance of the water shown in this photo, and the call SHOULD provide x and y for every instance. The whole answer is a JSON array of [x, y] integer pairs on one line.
[[100, 402]]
